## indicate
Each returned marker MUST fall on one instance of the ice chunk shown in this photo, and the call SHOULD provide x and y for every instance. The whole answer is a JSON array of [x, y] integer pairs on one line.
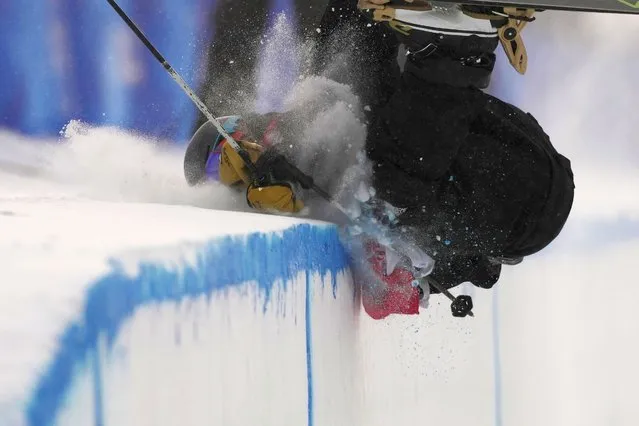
[[363, 193], [392, 259]]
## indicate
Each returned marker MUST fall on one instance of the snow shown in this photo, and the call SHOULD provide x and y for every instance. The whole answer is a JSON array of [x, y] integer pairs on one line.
[[104, 164], [76, 211], [52, 250], [64, 221]]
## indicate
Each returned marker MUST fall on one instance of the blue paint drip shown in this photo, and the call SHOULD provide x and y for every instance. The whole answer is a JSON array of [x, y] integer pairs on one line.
[[309, 351], [220, 264], [98, 418]]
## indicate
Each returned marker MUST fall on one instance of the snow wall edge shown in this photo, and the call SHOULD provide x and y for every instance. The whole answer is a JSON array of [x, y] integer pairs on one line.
[[227, 338]]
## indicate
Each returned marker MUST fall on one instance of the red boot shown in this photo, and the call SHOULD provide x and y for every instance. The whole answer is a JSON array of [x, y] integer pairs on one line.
[[395, 294]]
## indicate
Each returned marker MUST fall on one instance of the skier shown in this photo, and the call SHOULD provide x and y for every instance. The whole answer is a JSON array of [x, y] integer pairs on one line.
[[474, 181]]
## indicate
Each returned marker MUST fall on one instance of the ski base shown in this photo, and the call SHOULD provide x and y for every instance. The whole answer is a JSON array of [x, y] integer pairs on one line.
[[596, 6]]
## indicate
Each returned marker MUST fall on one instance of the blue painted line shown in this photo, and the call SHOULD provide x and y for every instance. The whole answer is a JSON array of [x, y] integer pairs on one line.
[[309, 350], [220, 264], [98, 417], [497, 360]]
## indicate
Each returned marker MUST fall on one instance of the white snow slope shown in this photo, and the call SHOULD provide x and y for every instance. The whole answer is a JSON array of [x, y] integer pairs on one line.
[[568, 321], [124, 301]]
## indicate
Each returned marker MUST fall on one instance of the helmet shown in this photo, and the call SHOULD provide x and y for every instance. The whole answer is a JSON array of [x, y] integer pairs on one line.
[[202, 156]]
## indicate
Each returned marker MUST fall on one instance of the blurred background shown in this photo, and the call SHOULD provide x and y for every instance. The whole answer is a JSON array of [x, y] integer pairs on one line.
[[75, 59]]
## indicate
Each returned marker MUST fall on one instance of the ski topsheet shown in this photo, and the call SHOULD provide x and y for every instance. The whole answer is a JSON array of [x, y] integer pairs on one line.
[[610, 6]]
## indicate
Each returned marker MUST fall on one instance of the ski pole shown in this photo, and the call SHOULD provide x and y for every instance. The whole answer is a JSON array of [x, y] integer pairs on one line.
[[185, 87]]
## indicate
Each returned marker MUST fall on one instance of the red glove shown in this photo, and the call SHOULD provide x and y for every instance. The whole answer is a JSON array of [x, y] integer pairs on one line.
[[398, 296]]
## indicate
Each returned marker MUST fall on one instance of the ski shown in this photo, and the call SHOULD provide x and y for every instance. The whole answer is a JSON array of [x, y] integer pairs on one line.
[[601, 6]]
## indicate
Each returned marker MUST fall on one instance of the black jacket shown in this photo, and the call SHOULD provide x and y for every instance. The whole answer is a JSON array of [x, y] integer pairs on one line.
[[478, 178]]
